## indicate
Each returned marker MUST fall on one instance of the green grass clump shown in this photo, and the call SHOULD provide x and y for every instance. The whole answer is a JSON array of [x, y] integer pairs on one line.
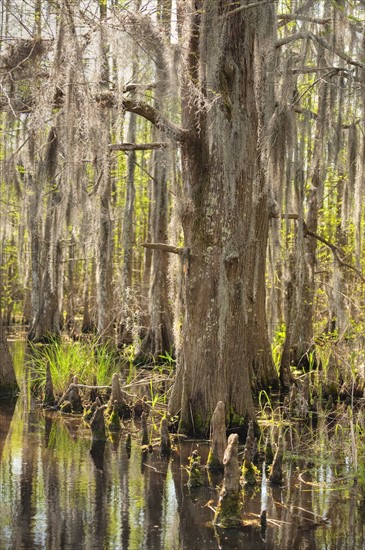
[[89, 361]]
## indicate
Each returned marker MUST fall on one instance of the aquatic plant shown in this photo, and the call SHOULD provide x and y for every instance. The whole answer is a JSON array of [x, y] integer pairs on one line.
[[195, 475], [87, 360]]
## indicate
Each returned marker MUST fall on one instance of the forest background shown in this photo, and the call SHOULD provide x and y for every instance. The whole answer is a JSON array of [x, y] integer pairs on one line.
[[184, 180]]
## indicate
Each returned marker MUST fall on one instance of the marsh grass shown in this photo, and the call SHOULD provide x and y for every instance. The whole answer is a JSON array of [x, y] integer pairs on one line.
[[89, 361]]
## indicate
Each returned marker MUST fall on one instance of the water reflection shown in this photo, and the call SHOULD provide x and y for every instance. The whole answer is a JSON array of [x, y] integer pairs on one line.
[[57, 491]]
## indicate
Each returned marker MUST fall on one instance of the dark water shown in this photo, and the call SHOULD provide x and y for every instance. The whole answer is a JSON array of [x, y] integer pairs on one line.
[[55, 493]]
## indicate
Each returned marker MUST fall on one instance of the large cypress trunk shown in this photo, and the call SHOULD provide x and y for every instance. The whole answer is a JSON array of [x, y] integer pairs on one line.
[[225, 348]]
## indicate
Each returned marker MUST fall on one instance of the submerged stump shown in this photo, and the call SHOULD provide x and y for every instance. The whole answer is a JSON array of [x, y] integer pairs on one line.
[[218, 438], [248, 469], [251, 443], [128, 445], [165, 442], [276, 474], [269, 454], [114, 420], [97, 454], [49, 398], [97, 425], [144, 429], [71, 398], [117, 396], [228, 510], [74, 396]]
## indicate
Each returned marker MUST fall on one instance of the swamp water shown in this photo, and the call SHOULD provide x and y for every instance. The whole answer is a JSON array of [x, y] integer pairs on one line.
[[57, 493]]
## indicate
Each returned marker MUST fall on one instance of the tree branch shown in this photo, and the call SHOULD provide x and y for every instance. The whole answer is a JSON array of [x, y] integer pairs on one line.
[[287, 17], [247, 7], [165, 248], [304, 35], [175, 132], [137, 146], [134, 86], [336, 250], [108, 100]]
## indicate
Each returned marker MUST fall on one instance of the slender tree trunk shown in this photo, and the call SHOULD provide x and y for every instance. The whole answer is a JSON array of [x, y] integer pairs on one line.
[[159, 337], [302, 331], [46, 249], [126, 329], [8, 382], [104, 267]]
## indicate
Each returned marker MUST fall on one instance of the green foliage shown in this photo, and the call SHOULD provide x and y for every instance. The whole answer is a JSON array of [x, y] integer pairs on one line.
[[265, 406], [195, 475], [168, 360], [250, 474], [66, 358], [277, 346]]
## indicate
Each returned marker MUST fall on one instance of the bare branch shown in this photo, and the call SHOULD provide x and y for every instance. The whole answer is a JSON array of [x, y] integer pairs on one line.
[[305, 35], [137, 146], [165, 248], [247, 7], [309, 69], [175, 132], [287, 17], [335, 250], [134, 86], [285, 216]]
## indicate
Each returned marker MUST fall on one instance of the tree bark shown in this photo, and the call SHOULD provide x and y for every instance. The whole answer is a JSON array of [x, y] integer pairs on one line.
[[8, 382], [225, 215], [45, 246]]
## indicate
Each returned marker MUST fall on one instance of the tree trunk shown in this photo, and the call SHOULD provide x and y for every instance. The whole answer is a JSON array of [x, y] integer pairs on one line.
[[225, 215], [45, 247], [104, 267], [8, 383], [159, 337], [126, 329]]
